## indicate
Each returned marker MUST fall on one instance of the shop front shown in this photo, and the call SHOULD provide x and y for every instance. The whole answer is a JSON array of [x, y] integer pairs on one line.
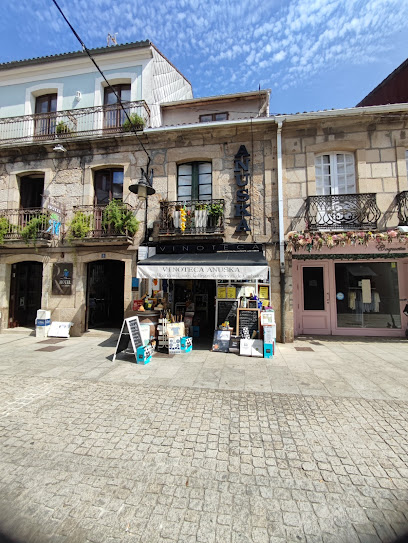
[[354, 291], [205, 285]]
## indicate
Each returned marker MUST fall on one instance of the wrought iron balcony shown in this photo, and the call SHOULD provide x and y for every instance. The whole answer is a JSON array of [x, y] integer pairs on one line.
[[202, 217], [89, 121], [342, 212], [29, 225], [402, 201], [92, 222]]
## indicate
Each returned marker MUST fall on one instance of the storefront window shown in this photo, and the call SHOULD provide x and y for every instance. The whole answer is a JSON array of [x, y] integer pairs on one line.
[[367, 295]]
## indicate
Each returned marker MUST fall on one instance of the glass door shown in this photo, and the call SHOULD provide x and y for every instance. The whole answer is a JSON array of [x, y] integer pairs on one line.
[[313, 301]]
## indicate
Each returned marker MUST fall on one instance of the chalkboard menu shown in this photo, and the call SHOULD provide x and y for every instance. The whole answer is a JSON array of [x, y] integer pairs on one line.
[[227, 311], [130, 333], [248, 318]]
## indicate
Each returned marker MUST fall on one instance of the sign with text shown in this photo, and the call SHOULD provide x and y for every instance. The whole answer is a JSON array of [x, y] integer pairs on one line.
[[248, 318], [242, 174], [62, 277], [130, 333]]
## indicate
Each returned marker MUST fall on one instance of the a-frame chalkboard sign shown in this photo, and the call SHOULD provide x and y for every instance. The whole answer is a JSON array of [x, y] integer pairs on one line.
[[130, 333]]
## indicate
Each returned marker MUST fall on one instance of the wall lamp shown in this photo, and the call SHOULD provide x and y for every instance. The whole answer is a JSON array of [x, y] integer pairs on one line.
[[60, 148], [144, 187]]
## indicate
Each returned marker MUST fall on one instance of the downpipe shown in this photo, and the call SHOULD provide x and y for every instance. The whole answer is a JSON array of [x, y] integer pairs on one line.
[[282, 266]]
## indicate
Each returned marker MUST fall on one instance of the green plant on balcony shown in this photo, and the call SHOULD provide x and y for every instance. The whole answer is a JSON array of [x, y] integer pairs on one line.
[[80, 226], [216, 210], [4, 228], [35, 225], [136, 122], [201, 207], [118, 218], [62, 128]]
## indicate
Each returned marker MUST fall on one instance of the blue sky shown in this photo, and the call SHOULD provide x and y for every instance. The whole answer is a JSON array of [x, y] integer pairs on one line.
[[312, 54]]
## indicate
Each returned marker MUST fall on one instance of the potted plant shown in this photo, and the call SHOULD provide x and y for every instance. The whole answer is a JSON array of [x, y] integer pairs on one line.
[[80, 226], [4, 228], [136, 121], [62, 128], [33, 227], [118, 218], [215, 211]]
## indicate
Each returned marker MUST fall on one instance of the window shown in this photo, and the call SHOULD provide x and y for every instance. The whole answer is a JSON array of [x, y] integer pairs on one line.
[[209, 117], [194, 181], [45, 123], [108, 185], [31, 191], [335, 174], [114, 115]]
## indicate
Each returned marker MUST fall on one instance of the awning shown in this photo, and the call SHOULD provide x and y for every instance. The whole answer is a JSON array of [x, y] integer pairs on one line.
[[224, 265]]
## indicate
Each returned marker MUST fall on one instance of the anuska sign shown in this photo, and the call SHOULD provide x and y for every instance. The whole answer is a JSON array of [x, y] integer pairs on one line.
[[241, 172]]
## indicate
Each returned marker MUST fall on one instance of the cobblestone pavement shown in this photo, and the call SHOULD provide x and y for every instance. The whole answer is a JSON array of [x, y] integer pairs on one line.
[[90, 459]]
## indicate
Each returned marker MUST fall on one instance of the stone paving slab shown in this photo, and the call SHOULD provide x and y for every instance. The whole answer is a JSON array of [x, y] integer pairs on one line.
[[99, 461], [307, 447]]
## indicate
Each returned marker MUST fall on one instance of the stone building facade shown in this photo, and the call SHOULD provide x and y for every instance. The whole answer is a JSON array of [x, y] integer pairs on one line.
[[345, 179]]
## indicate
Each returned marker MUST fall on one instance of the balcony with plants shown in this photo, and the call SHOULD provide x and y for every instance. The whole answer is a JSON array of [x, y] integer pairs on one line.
[[339, 212], [35, 226], [76, 123], [192, 218], [114, 222]]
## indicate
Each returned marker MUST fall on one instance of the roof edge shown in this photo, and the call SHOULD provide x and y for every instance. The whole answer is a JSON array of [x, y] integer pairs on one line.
[[218, 98], [74, 54]]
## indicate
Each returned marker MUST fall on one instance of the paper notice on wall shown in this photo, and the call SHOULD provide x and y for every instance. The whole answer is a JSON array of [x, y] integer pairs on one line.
[[366, 291]]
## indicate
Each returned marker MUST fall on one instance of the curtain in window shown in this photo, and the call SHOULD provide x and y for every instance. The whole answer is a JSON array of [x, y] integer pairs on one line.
[[335, 174]]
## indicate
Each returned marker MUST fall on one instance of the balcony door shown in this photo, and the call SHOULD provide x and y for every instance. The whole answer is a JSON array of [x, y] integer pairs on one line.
[[312, 298], [45, 121], [114, 116]]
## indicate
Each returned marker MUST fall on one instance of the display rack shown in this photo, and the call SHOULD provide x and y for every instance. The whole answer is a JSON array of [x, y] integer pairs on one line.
[[226, 297]]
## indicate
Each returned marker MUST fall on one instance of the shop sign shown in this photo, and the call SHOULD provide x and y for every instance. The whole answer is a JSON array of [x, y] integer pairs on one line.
[[54, 220], [241, 173], [62, 275], [207, 248]]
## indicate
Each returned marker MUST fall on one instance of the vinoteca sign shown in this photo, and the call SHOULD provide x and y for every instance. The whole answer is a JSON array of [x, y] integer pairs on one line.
[[241, 173]]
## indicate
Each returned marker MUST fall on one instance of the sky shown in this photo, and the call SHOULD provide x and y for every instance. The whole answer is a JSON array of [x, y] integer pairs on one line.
[[312, 54]]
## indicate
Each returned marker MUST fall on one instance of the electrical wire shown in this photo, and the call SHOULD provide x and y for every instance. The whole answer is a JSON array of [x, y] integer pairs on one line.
[[106, 81]]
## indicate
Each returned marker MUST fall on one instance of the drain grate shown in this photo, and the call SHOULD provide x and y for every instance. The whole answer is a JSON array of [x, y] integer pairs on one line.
[[52, 340], [304, 349], [50, 348]]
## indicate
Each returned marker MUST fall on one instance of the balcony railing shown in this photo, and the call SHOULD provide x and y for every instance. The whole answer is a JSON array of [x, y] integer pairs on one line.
[[57, 125], [29, 225], [91, 222], [202, 217], [402, 201], [342, 212]]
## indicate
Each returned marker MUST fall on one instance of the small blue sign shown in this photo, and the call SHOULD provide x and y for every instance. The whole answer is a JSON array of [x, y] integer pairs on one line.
[[340, 296], [135, 282]]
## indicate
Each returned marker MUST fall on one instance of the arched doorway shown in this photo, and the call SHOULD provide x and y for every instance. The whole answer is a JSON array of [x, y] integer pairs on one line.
[[105, 294], [25, 293]]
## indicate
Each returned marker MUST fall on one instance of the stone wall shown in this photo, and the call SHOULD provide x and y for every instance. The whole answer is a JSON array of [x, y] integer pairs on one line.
[[378, 143]]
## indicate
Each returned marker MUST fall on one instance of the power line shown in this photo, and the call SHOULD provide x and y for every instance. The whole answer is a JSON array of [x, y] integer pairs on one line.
[[106, 81]]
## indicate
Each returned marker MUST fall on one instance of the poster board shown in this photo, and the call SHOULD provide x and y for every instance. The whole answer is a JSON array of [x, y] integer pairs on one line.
[[221, 292], [129, 333], [248, 318], [221, 341], [227, 311]]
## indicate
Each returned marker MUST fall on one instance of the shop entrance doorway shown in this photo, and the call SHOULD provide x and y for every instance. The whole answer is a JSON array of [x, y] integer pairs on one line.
[[105, 294], [25, 293], [312, 298], [201, 293]]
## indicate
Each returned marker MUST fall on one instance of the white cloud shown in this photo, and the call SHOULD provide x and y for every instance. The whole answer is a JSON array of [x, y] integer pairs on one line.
[[226, 45]]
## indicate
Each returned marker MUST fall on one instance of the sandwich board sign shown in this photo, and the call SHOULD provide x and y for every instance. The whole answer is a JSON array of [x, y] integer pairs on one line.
[[130, 333]]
